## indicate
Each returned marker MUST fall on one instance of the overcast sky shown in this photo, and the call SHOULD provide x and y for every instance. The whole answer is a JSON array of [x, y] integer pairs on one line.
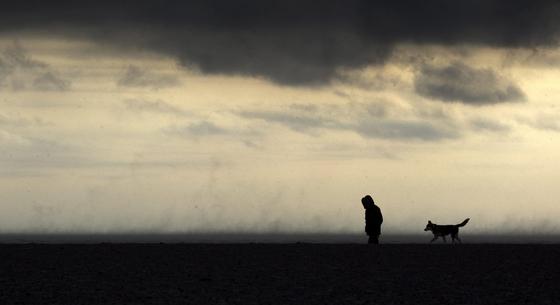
[[279, 116]]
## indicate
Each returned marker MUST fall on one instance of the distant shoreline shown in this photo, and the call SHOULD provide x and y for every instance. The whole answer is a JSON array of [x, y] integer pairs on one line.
[[280, 238]]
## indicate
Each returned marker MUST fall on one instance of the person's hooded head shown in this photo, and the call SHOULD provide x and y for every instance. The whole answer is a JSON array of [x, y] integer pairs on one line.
[[367, 202]]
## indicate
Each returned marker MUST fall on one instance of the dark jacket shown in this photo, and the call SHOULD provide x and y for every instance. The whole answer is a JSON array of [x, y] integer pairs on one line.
[[374, 219]]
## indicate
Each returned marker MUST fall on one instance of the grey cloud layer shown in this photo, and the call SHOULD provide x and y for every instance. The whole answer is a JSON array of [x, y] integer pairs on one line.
[[49, 81], [482, 124], [363, 122], [289, 42], [154, 106], [542, 121], [406, 130], [204, 128], [458, 82], [19, 71], [295, 121], [143, 78]]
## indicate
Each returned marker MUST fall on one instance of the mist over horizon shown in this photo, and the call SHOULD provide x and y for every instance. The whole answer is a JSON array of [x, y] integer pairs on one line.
[[277, 117]]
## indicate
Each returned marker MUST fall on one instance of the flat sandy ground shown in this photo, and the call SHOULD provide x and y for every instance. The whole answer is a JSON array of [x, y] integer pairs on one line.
[[279, 274]]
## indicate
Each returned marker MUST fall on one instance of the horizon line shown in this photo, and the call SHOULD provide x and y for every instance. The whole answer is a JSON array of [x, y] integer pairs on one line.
[[240, 238]]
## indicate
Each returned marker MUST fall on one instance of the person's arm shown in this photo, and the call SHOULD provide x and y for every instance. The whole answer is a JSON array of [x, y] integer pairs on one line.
[[380, 215], [367, 229]]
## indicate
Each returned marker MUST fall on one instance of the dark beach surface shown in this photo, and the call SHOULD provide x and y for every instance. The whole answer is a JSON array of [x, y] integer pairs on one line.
[[279, 273]]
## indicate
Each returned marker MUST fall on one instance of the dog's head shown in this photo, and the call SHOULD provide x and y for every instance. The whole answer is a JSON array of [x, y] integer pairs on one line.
[[429, 226]]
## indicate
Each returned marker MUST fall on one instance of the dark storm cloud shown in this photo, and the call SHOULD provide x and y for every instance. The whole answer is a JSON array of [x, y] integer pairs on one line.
[[458, 82], [289, 42], [137, 77]]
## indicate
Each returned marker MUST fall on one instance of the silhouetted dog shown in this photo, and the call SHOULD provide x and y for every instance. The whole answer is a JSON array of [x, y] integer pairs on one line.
[[443, 230]]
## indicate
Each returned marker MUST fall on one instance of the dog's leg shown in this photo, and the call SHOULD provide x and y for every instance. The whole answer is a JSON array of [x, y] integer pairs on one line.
[[458, 239], [433, 239], [444, 240]]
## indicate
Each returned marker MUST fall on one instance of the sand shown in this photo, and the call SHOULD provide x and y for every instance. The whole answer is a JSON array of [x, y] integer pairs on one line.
[[279, 274]]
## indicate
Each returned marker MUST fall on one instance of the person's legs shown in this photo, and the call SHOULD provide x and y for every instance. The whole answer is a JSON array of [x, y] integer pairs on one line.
[[373, 239]]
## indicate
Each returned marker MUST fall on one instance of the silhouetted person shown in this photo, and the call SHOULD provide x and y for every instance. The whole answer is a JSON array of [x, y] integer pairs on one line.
[[374, 219]]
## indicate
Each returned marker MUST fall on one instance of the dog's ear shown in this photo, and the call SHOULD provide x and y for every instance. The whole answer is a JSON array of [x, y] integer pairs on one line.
[[429, 221]]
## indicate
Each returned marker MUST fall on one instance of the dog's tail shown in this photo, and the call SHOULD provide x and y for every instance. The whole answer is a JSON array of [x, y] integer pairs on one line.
[[462, 224]]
